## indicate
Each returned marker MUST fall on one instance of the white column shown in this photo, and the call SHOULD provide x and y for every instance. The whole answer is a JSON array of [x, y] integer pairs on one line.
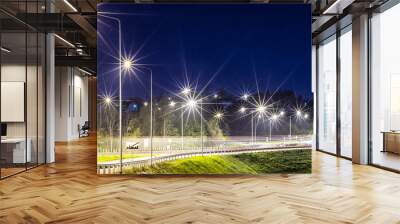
[[360, 90], [50, 99], [50, 92], [314, 91]]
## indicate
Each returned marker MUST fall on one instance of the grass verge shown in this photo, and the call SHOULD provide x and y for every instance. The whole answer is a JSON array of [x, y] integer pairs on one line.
[[292, 161], [108, 158]]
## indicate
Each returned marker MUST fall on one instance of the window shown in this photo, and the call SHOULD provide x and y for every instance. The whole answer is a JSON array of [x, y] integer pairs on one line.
[[327, 95], [385, 88], [346, 93], [22, 89]]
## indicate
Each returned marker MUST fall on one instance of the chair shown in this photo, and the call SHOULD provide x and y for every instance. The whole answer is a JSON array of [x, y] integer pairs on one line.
[[84, 130]]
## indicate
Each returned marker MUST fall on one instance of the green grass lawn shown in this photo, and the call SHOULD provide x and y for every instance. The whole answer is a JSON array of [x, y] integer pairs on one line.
[[107, 158], [293, 161]]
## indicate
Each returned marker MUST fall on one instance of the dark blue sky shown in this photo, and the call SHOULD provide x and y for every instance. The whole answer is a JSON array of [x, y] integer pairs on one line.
[[232, 45]]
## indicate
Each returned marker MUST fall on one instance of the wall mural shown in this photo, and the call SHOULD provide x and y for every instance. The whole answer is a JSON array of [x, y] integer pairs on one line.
[[204, 89]]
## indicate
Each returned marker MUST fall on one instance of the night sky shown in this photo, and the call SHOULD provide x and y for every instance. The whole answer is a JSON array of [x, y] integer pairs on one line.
[[231, 47]]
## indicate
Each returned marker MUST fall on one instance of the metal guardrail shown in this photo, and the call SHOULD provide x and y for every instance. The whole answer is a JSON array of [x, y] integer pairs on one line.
[[115, 167], [194, 143]]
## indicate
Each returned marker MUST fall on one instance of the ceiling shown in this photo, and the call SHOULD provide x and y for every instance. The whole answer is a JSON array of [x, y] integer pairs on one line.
[[74, 21]]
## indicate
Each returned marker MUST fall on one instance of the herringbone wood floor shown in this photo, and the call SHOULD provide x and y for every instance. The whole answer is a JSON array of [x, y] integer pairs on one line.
[[69, 191]]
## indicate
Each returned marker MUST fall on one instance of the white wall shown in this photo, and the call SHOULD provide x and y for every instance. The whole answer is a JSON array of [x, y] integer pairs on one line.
[[17, 73], [71, 102], [33, 126]]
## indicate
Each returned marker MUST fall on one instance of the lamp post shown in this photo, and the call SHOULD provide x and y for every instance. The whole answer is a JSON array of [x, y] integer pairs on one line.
[[182, 128], [120, 81], [272, 119], [270, 129], [191, 104], [172, 105], [201, 127], [151, 112], [290, 126], [261, 111], [298, 114], [151, 117], [128, 65], [243, 110], [108, 103], [185, 91], [252, 129]]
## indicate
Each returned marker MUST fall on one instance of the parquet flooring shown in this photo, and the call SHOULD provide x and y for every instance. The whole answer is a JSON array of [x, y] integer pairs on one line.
[[70, 191]]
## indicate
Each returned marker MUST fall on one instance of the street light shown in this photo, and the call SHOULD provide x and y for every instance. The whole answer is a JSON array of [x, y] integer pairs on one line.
[[127, 64], [298, 115], [261, 109], [201, 127], [172, 104], [120, 67], [245, 96], [219, 115], [306, 116], [107, 100], [273, 118], [243, 110], [191, 103], [186, 91]]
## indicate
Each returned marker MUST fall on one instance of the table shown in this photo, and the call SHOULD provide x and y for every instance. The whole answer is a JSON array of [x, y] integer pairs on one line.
[[391, 141]]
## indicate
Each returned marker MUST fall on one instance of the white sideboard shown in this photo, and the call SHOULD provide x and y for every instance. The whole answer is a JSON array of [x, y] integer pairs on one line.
[[19, 155]]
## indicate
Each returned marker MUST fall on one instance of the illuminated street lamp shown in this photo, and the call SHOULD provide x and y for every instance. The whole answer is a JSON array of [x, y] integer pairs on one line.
[[201, 127], [261, 109], [298, 115], [243, 110], [273, 118], [127, 64], [120, 67], [306, 116], [191, 103], [172, 104], [245, 96], [218, 115], [107, 100], [186, 91]]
